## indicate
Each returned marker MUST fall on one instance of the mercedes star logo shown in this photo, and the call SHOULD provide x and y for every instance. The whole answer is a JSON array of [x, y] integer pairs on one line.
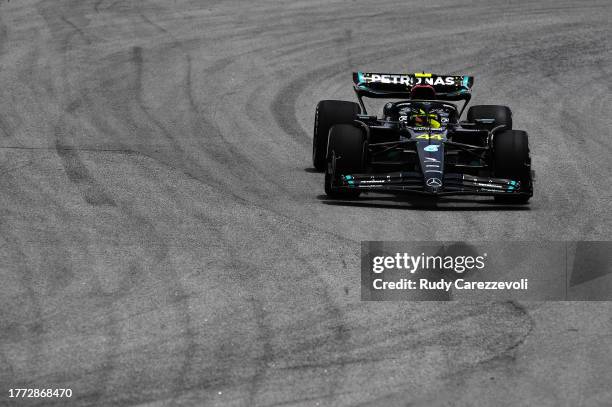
[[434, 182]]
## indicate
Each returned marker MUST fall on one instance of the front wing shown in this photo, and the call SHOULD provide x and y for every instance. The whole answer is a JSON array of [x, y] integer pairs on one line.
[[449, 184]]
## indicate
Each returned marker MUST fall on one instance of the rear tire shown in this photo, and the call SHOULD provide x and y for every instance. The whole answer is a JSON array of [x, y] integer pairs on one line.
[[501, 115], [511, 160], [345, 156], [329, 113]]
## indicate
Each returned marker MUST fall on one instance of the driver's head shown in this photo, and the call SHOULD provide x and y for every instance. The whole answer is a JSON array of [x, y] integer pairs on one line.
[[421, 119]]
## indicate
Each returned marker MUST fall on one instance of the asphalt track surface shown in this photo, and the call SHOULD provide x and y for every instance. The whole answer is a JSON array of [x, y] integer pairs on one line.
[[164, 240]]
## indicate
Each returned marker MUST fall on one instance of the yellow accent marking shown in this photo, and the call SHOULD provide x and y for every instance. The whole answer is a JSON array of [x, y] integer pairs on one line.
[[430, 137], [422, 75]]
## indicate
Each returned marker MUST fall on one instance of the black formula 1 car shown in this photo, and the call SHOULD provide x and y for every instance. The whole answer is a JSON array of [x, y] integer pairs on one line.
[[419, 144]]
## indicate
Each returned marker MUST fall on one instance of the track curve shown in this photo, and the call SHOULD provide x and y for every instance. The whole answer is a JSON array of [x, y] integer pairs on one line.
[[164, 240]]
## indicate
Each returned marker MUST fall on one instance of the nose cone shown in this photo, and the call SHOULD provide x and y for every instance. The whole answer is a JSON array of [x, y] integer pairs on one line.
[[431, 157]]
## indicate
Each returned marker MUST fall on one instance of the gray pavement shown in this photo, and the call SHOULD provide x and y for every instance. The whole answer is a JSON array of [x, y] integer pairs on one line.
[[165, 242]]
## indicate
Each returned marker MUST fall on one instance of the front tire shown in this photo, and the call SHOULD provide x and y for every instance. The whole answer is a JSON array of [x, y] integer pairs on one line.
[[328, 114], [511, 160], [345, 156]]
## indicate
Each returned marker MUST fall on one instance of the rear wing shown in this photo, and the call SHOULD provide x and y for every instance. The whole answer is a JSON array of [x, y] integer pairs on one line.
[[398, 86]]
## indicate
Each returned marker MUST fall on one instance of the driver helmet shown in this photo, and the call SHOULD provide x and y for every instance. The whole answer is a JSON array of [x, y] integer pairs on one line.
[[421, 119]]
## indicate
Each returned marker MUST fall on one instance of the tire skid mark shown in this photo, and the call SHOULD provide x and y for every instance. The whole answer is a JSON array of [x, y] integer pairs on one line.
[[521, 312], [238, 199], [196, 172], [3, 37], [505, 357], [77, 30], [176, 298], [35, 326], [138, 60], [458, 375], [183, 309], [400, 339], [51, 276], [4, 128], [223, 151], [251, 102], [204, 124], [222, 374], [57, 22], [158, 27], [97, 7], [106, 369], [265, 338], [77, 173], [508, 353], [339, 336], [226, 152], [247, 277], [75, 169], [7, 365], [188, 166], [169, 276]]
